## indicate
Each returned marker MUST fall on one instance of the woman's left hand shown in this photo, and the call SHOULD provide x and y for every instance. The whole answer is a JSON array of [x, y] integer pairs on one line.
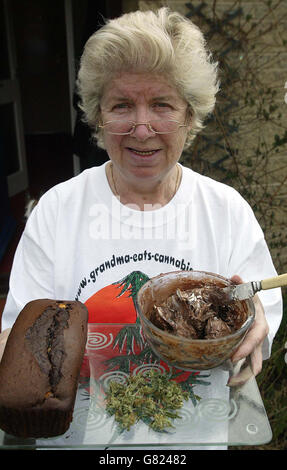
[[251, 346]]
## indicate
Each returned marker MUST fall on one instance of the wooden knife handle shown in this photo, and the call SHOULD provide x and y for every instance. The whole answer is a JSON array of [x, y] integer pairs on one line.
[[273, 282]]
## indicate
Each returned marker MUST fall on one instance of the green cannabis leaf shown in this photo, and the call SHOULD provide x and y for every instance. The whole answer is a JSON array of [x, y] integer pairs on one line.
[[151, 397]]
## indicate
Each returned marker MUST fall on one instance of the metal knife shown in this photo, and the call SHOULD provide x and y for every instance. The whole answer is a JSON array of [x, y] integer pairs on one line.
[[248, 289]]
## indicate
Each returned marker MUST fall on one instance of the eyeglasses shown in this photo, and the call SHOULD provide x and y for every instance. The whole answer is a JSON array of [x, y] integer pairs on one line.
[[127, 127]]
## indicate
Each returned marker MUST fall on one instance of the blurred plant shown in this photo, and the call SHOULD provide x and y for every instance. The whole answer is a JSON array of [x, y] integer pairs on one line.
[[244, 142], [272, 382]]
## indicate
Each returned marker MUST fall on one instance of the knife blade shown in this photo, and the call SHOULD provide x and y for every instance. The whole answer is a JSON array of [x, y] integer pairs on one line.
[[248, 289]]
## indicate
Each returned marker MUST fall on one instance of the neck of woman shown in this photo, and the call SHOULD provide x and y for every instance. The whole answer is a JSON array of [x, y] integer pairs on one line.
[[149, 195]]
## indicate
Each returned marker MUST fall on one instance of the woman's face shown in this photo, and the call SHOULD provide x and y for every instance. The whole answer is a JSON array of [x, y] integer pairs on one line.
[[142, 98]]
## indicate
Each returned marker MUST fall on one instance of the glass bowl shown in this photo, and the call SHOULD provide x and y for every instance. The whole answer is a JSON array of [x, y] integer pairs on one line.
[[178, 351]]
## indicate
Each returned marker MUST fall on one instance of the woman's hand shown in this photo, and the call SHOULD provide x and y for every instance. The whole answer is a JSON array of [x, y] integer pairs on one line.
[[3, 339], [252, 343]]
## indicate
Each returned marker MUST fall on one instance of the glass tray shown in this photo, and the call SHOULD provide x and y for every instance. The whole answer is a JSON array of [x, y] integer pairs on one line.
[[215, 414]]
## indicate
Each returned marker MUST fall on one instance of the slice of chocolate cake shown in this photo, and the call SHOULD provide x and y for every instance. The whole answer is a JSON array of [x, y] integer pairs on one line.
[[40, 368]]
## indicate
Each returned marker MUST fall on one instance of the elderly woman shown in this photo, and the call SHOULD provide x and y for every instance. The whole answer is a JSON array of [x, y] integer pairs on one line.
[[146, 83]]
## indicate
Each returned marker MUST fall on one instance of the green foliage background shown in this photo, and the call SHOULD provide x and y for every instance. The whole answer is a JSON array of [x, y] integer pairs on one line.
[[272, 383], [244, 144], [244, 141]]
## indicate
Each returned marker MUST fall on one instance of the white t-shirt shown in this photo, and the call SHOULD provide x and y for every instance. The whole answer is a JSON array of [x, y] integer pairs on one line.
[[81, 243], [80, 240]]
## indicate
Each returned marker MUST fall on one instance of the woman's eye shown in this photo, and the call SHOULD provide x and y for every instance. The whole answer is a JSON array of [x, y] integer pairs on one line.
[[120, 106], [162, 105]]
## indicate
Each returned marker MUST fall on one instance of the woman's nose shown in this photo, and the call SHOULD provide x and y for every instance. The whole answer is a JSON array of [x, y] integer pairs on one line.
[[142, 131]]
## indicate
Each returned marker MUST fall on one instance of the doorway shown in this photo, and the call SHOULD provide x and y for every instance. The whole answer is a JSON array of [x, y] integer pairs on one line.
[[40, 46], [12, 146]]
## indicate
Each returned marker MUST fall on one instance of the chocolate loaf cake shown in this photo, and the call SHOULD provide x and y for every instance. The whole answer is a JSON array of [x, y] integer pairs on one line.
[[40, 368]]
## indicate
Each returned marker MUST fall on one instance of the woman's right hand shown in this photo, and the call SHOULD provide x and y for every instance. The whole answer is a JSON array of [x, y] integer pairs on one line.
[[3, 339]]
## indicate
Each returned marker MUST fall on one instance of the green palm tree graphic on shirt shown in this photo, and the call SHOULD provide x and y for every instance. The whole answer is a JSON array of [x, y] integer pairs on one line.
[[131, 336]]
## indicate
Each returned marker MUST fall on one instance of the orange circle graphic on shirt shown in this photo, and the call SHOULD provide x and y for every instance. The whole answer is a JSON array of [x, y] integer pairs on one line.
[[107, 306]]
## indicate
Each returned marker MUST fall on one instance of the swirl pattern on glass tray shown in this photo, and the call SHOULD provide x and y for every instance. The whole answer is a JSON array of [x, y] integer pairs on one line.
[[113, 376], [216, 409], [187, 417], [146, 368], [85, 418], [90, 419], [99, 340]]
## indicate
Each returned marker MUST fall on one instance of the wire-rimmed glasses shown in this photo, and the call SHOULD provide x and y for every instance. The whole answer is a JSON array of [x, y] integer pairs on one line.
[[122, 127]]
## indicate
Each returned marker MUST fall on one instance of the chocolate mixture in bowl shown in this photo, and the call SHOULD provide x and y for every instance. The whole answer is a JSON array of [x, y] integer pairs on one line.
[[198, 313]]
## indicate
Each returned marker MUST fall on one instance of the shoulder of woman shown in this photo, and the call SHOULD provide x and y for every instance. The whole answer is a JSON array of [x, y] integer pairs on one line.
[[215, 188]]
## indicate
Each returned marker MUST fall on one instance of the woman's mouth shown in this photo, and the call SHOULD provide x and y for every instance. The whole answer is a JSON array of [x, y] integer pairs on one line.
[[143, 153]]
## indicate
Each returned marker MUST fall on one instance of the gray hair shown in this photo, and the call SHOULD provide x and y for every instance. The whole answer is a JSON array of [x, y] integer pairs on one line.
[[163, 43]]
